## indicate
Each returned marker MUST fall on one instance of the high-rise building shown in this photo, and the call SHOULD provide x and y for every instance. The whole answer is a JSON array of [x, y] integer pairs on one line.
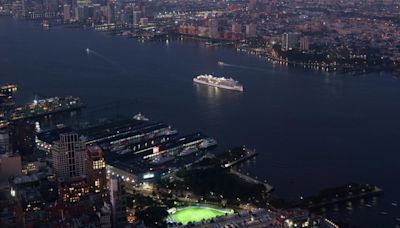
[[304, 44], [74, 191], [18, 9], [81, 13], [236, 27], [97, 173], [252, 5], [10, 166], [251, 30], [67, 13], [96, 14], [290, 41], [144, 21], [69, 157], [34, 196], [104, 215], [111, 12], [118, 202], [213, 28], [22, 135], [136, 17], [6, 96], [50, 5], [4, 140], [83, 2]]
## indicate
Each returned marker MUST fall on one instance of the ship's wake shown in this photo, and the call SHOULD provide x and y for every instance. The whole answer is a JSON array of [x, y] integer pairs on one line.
[[116, 65], [223, 64]]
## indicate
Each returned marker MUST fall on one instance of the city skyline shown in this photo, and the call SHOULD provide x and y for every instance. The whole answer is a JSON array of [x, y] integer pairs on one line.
[[257, 113]]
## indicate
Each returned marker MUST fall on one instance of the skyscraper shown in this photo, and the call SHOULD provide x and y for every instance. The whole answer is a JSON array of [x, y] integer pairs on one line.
[[251, 30], [83, 2], [236, 27], [304, 44], [136, 17], [290, 41], [6, 96], [22, 137], [213, 28], [67, 13], [10, 166], [69, 157], [118, 202], [81, 13], [4, 139], [111, 12], [97, 170], [252, 5]]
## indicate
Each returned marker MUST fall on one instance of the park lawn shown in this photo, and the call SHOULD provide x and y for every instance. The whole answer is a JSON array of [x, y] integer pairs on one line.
[[195, 214]]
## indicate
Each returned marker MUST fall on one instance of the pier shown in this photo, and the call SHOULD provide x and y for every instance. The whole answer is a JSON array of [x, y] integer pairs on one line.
[[237, 155], [249, 179], [340, 194]]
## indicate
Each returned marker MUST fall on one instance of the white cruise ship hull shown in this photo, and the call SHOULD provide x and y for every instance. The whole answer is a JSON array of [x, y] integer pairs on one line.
[[236, 88]]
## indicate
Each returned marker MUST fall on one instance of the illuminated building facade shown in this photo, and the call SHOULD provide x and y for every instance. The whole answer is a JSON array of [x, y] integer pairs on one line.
[[34, 197], [290, 41], [74, 191], [4, 139], [67, 13], [97, 173], [6, 96], [69, 157], [304, 44]]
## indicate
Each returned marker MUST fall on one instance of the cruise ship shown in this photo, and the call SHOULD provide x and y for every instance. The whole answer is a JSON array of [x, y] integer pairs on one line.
[[220, 82], [45, 107]]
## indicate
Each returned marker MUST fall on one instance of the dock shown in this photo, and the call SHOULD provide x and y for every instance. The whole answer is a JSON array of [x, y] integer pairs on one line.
[[250, 179], [236, 156], [341, 194]]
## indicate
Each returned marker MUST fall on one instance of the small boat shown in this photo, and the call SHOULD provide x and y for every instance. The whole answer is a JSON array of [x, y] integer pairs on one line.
[[220, 63], [140, 117], [368, 205], [45, 24], [394, 204], [383, 213]]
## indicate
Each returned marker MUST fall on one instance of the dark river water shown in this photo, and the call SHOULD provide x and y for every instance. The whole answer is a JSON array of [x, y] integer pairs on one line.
[[312, 130]]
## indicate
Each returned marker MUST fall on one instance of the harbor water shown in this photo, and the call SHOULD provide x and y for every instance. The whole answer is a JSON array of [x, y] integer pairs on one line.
[[311, 130]]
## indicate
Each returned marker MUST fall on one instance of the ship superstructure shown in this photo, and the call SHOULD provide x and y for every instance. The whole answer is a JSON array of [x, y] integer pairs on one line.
[[220, 82]]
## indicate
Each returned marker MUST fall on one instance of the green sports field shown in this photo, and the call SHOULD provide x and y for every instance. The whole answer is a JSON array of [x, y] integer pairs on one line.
[[196, 214]]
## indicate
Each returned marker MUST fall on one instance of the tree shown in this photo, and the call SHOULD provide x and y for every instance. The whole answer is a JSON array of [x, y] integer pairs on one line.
[[153, 216]]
